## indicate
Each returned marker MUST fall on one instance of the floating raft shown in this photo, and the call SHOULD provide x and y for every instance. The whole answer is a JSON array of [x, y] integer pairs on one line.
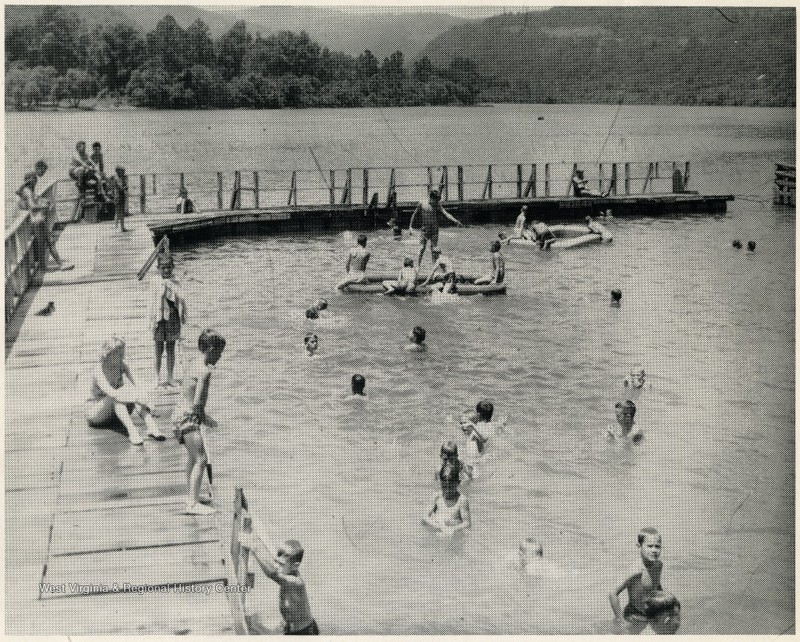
[[569, 236], [465, 286]]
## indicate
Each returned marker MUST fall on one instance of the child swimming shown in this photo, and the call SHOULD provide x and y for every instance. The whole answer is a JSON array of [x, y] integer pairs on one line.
[[417, 340], [640, 585], [635, 384], [311, 343], [450, 511], [625, 430], [449, 456]]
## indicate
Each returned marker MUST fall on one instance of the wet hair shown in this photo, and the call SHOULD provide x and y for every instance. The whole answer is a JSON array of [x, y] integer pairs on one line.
[[434, 194], [165, 259], [312, 313], [485, 410], [210, 339], [449, 448], [40, 164], [418, 333], [643, 533], [111, 345], [96, 144], [357, 383], [660, 602], [496, 246], [408, 262], [737, 244], [293, 550], [362, 240], [616, 295], [628, 404], [321, 304], [308, 338], [751, 245], [449, 473]]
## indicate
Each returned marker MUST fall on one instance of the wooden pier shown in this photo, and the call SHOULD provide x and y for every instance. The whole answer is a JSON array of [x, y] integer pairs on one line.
[[303, 201], [784, 187], [95, 539]]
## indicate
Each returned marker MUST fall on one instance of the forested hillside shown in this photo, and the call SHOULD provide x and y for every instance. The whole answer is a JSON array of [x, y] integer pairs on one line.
[[681, 55]]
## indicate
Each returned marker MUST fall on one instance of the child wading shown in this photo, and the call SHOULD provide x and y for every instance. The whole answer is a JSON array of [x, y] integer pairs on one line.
[[190, 415]]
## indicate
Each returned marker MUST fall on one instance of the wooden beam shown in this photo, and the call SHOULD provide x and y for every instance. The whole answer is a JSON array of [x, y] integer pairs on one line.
[[332, 187], [219, 190], [547, 179], [460, 183], [627, 179], [366, 187], [256, 189], [143, 195]]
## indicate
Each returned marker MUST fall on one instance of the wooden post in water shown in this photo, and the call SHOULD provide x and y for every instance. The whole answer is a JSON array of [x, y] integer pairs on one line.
[[430, 180], [142, 194], [391, 186], [648, 178], [601, 178], [614, 179], [627, 178], [686, 175], [656, 174], [366, 187], [236, 599], [348, 183], [569, 185], [236, 196], [487, 187], [154, 184], [444, 188], [293, 190], [332, 186], [460, 182], [256, 190], [547, 179], [181, 181], [519, 181], [219, 190]]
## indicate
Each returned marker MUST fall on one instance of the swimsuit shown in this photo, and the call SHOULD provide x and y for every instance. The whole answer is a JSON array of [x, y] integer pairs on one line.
[[169, 330], [634, 610], [311, 629], [189, 422]]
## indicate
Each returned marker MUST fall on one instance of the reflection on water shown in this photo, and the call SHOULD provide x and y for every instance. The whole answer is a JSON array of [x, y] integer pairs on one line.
[[712, 326]]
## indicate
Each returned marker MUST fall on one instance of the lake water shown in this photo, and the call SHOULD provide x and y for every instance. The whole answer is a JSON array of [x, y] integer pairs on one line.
[[714, 328]]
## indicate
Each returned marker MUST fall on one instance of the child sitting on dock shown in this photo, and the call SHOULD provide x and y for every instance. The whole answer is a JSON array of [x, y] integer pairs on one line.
[[640, 585], [167, 314], [625, 411], [356, 265], [114, 394], [406, 281], [579, 184], [283, 568], [417, 340], [450, 511], [184, 204], [498, 267], [189, 416]]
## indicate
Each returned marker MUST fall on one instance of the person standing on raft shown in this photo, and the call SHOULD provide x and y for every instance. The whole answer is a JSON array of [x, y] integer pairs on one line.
[[429, 223]]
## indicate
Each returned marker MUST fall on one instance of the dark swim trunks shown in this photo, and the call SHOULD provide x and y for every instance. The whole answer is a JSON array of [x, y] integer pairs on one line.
[[190, 422], [311, 629], [169, 330], [632, 614]]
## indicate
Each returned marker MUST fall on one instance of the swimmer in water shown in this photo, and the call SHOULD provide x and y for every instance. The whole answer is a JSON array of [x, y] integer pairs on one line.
[[449, 456], [312, 313], [498, 267], [450, 511], [417, 339], [640, 585], [616, 298], [663, 612], [635, 384], [530, 552], [356, 265], [311, 343], [357, 384], [625, 431]]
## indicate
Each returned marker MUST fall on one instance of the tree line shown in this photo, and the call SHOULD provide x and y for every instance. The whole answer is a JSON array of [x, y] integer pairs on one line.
[[58, 57]]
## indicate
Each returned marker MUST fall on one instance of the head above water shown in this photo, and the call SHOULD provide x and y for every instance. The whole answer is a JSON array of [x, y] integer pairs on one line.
[[663, 610], [211, 343], [362, 240], [312, 313], [408, 262], [485, 410], [449, 450], [751, 245], [321, 304], [616, 295], [449, 475], [496, 245], [40, 167], [81, 146], [96, 146], [531, 546], [737, 244], [357, 384], [417, 334]]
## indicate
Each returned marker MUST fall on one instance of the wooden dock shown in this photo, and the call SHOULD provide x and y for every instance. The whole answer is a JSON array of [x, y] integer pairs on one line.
[[785, 184], [95, 539]]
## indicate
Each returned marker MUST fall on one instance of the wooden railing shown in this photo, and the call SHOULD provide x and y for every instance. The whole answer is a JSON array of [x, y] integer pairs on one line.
[[157, 193], [783, 190], [25, 257]]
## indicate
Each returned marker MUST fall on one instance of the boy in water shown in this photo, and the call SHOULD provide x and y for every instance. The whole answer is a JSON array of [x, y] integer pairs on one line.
[[190, 415], [450, 511], [357, 384], [428, 214], [311, 343], [635, 384], [663, 612], [641, 585], [543, 234], [356, 265], [417, 339], [167, 314], [498, 267], [625, 410], [406, 280], [449, 456], [284, 570]]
